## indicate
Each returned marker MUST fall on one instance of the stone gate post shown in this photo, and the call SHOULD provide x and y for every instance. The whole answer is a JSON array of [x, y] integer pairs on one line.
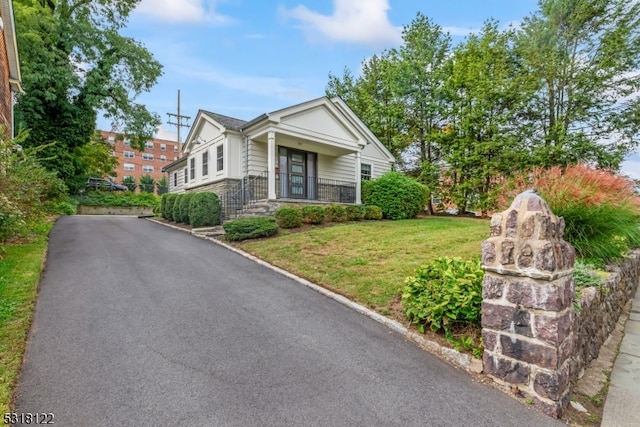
[[527, 297]]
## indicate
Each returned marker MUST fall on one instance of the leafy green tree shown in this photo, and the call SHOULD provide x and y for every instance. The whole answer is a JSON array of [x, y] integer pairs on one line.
[[75, 63], [162, 186], [147, 183], [582, 59], [130, 183], [96, 159]]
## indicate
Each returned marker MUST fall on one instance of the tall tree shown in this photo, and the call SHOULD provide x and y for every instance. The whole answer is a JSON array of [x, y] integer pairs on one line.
[[75, 63], [583, 58], [481, 141]]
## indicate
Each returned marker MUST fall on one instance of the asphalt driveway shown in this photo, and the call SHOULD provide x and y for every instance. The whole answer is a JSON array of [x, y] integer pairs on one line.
[[141, 325]]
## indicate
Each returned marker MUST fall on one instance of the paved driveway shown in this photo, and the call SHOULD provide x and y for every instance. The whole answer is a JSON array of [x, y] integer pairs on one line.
[[141, 325]]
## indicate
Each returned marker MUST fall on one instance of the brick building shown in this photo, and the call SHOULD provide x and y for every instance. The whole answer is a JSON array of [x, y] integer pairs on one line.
[[9, 66], [131, 162]]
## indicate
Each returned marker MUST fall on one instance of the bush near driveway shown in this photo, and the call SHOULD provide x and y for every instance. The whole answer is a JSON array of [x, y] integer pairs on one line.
[[250, 228], [288, 217], [398, 196], [312, 214], [204, 209]]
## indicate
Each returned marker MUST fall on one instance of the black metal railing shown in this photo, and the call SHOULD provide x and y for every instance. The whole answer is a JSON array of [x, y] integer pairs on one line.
[[288, 186]]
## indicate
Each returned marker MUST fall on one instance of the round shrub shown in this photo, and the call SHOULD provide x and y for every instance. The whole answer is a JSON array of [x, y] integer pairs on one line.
[[288, 217], [444, 292], [168, 206], [204, 209], [372, 212], [335, 213], [163, 205], [354, 212], [176, 208], [250, 228], [183, 207], [63, 208], [312, 214], [399, 196]]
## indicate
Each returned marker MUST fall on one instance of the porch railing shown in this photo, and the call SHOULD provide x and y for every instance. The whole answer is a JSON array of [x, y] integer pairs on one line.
[[253, 188]]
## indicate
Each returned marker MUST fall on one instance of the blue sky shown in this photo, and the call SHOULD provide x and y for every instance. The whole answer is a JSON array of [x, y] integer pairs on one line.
[[243, 58]]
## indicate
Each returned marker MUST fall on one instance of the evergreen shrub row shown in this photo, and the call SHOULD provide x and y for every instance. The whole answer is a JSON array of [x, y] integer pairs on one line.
[[198, 209]]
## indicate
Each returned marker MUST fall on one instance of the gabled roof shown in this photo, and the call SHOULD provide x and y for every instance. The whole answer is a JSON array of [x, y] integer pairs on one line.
[[230, 123]]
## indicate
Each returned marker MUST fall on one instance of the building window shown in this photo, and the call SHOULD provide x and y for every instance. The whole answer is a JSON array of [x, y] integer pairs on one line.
[[193, 169], [147, 156], [129, 167], [175, 148], [163, 158], [186, 176], [365, 171], [127, 142], [163, 147], [175, 179], [129, 154], [147, 168], [112, 140], [149, 144], [220, 157], [175, 158], [205, 163]]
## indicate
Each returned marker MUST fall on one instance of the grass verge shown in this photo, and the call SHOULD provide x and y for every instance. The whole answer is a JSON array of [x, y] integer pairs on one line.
[[369, 261], [20, 268]]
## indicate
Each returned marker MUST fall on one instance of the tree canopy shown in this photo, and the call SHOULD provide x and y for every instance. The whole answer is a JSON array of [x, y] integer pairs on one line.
[[75, 63]]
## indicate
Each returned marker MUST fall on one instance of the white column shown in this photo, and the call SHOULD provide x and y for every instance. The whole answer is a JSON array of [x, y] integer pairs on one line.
[[358, 180], [271, 164]]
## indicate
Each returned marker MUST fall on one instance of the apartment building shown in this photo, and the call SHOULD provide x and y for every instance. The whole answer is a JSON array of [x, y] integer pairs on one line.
[[157, 154]]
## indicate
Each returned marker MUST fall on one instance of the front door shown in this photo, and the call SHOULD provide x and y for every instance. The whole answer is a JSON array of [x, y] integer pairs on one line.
[[297, 174]]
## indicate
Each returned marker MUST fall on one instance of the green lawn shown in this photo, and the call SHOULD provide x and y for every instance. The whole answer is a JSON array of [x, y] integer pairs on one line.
[[20, 268], [368, 261]]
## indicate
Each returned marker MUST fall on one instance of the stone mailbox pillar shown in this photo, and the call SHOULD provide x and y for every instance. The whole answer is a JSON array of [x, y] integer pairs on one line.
[[527, 297]]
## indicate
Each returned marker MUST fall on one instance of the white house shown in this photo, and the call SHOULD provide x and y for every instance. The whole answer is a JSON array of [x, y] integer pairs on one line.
[[317, 151]]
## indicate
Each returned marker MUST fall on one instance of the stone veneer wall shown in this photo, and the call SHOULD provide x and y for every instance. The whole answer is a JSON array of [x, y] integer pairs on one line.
[[218, 187], [600, 310]]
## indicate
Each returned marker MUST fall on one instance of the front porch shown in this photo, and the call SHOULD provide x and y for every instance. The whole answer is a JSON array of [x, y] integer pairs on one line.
[[253, 191]]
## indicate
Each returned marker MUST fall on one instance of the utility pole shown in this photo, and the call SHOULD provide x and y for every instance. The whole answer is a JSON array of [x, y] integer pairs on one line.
[[178, 118]]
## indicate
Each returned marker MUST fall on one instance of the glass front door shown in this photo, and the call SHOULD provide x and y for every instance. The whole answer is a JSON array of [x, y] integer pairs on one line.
[[297, 174]]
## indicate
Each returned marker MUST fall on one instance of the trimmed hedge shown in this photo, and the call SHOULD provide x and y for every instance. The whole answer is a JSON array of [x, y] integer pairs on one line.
[[183, 208], [175, 213], [167, 213], [250, 228], [288, 217], [372, 212], [312, 214], [335, 213], [399, 196], [354, 212], [204, 209]]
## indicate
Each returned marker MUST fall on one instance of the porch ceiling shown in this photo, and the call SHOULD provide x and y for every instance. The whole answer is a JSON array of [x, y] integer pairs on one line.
[[304, 144]]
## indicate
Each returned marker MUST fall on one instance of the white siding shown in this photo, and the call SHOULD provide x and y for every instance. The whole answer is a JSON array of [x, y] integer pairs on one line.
[[337, 168], [257, 157], [233, 157]]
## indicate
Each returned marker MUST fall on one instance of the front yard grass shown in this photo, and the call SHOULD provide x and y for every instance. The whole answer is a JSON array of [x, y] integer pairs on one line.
[[20, 268], [368, 261]]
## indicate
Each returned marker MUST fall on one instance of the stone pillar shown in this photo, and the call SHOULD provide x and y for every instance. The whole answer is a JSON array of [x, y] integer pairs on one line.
[[527, 299]]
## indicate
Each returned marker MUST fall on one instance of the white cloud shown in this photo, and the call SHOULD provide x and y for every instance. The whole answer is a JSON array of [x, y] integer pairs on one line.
[[200, 11], [353, 21]]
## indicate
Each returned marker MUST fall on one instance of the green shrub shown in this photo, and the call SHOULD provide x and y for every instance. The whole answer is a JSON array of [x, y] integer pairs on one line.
[[204, 209], [335, 213], [288, 217], [130, 183], [445, 292], [168, 211], [372, 212], [184, 207], [398, 196], [354, 212], [163, 205], [312, 214], [250, 228], [175, 214], [117, 198], [147, 183], [585, 275], [601, 209], [65, 208]]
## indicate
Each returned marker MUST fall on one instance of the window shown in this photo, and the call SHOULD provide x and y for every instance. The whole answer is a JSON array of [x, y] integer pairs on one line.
[[186, 176], [149, 144], [220, 157], [175, 158], [175, 179], [193, 169], [163, 147], [365, 171], [129, 167], [175, 148], [112, 140], [147, 168], [147, 156], [205, 163], [129, 154], [163, 158], [127, 142]]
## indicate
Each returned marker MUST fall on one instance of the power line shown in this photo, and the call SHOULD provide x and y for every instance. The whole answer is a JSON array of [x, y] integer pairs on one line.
[[178, 118]]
